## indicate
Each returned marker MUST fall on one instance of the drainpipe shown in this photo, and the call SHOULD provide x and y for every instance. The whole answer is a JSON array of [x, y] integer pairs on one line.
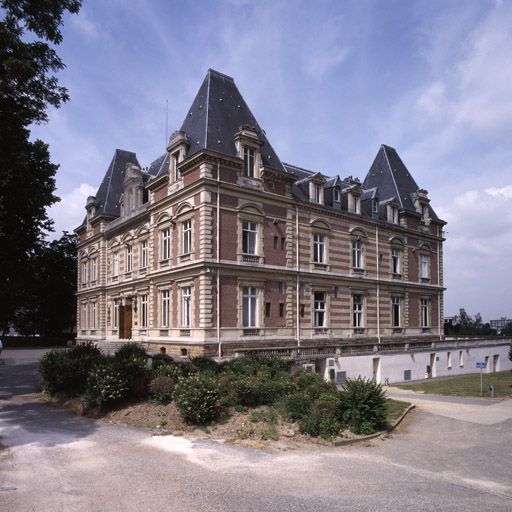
[[219, 342], [297, 283], [378, 280]]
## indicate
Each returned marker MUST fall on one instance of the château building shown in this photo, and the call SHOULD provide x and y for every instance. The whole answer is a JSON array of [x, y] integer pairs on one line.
[[219, 248]]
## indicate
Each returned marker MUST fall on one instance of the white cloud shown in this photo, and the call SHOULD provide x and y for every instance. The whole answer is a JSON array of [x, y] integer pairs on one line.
[[477, 251], [85, 25], [69, 212]]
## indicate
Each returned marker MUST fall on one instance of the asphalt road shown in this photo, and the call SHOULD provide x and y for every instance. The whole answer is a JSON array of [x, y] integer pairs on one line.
[[53, 460]]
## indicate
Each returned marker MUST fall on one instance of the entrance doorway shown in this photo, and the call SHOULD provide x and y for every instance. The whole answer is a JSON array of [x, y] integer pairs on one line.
[[125, 321]]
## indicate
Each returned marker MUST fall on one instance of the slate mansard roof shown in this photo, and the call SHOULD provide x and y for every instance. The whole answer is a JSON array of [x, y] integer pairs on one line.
[[216, 115]]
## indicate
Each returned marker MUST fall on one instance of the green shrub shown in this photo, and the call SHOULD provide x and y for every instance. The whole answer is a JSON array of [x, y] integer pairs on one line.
[[362, 401], [329, 428], [257, 390], [105, 384], [197, 399], [175, 370], [312, 384], [205, 364], [131, 352], [367, 428], [310, 426], [160, 360], [267, 416], [66, 371], [253, 364], [269, 432], [161, 389], [293, 407], [327, 406]]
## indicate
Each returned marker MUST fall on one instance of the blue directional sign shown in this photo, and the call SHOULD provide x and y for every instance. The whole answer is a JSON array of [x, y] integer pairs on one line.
[[480, 365]]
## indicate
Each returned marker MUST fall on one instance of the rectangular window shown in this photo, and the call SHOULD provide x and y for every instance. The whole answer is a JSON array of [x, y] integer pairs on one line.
[[424, 313], [249, 161], [318, 248], [94, 269], [395, 261], [320, 311], [317, 191], [424, 266], [448, 360], [249, 237], [282, 288], [143, 254], [166, 244], [165, 305], [357, 313], [93, 316], [375, 206], [115, 314], [143, 311], [283, 243], [392, 214], [129, 258], [84, 272], [357, 252], [268, 307], [337, 197], [281, 309], [185, 306], [83, 320], [115, 264], [354, 203], [302, 310], [395, 311], [276, 242], [175, 162], [461, 358], [250, 307], [186, 237]]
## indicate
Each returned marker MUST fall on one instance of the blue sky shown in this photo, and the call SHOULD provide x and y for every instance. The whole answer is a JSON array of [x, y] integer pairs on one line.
[[329, 81]]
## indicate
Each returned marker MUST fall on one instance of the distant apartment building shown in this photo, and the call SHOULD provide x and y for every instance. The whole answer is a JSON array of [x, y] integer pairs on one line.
[[500, 324], [219, 248]]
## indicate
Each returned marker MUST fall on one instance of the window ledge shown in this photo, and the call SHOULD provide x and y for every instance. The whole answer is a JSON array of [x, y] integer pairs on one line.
[[164, 263], [250, 258], [358, 330], [321, 330], [185, 256], [398, 330], [320, 266], [425, 279], [185, 332], [397, 276], [250, 331]]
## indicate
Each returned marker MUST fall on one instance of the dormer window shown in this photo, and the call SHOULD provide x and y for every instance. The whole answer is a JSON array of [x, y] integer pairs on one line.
[[337, 195], [425, 218], [316, 193], [175, 160], [249, 162], [354, 203], [392, 214], [375, 206]]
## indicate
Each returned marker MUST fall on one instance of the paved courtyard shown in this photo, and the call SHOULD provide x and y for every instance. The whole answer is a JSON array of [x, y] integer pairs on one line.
[[451, 455]]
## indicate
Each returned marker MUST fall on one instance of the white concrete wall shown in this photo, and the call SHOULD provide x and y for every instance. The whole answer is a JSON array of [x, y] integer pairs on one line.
[[392, 366]]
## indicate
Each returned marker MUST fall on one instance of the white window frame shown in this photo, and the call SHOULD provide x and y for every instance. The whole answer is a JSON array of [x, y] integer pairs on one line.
[[165, 308], [186, 236], [143, 311], [357, 254], [354, 203], [396, 261], [94, 269], [249, 233], [319, 309], [396, 312], [424, 266], [129, 258], [425, 312], [165, 238], [357, 310], [84, 272], [186, 306], [115, 313], [337, 195], [143, 248], [250, 306], [84, 320], [94, 312], [392, 211], [319, 248], [249, 161]]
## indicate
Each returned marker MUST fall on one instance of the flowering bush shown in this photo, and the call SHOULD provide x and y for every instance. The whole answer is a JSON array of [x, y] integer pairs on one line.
[[105, 385]]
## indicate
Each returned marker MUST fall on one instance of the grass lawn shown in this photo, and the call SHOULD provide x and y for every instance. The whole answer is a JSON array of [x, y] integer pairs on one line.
[[466, 385], [395, 409]]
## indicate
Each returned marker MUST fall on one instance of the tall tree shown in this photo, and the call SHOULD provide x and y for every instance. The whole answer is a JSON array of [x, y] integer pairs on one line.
[[28, 87]]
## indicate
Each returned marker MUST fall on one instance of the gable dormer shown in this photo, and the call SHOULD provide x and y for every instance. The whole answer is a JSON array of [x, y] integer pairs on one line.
[[91, 208], [177, 149], [354, 192], [248, 148], [392, 210], [421, 203], [133, 190]]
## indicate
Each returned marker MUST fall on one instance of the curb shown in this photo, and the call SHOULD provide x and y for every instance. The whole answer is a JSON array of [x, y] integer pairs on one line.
[[345, 442]]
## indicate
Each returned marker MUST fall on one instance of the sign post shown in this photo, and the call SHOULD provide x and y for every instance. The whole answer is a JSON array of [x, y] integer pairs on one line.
[[481, 366]]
